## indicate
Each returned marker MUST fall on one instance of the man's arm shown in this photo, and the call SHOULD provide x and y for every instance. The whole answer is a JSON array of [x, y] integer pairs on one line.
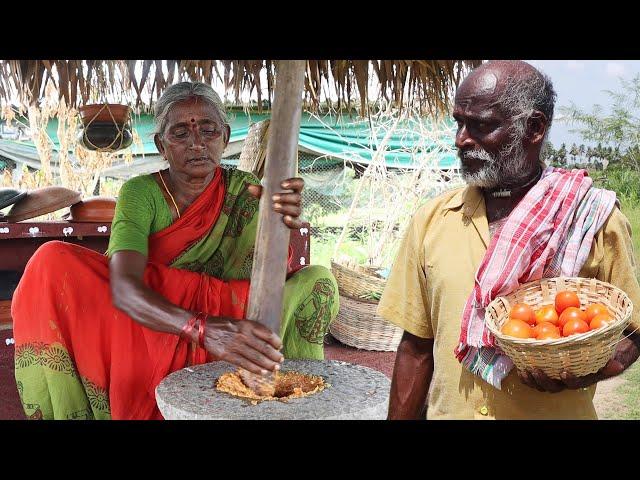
[[411, 378], [405, 303]]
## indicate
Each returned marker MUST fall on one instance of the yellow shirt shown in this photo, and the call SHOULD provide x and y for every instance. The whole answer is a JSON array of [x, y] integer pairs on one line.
[[431, 278]]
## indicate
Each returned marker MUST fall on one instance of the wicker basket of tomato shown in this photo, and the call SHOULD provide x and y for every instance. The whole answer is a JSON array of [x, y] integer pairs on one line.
[[560, 324]]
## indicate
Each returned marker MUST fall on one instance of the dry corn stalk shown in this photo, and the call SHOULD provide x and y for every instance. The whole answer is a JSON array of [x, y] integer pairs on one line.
[[75, 167], [38, 120], [7, 114]]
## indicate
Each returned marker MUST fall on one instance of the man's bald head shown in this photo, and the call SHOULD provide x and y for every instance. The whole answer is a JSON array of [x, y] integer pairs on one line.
[[502, 70], [518, 87]]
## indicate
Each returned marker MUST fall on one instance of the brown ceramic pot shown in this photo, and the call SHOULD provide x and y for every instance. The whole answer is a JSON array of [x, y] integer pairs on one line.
[[99, 112], [93, 209]]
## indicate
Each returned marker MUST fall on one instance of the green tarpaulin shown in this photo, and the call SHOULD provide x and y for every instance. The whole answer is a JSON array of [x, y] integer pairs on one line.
[[332, 137]]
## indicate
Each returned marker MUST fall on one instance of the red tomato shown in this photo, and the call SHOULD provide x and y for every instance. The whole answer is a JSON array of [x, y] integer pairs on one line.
[[566, 299], [595, 309], [571, 313], [600, 321], [547, 313], [545, 330], [574, 326], [522, 311], [517, 328]]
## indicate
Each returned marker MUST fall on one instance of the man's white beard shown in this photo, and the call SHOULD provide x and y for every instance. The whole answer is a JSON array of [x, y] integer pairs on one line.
[[506, 168]]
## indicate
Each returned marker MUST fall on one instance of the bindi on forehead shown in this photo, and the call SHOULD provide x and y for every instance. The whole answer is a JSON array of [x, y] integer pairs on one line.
[[193, 120]]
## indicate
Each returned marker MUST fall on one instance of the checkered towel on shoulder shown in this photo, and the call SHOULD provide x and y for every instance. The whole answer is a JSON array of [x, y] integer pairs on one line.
[[548, 234]]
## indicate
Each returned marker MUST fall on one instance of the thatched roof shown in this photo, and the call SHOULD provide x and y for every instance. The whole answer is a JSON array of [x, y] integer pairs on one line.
[[429, 83]]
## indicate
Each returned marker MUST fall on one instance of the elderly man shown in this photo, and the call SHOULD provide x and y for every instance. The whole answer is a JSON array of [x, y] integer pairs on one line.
[[503, 110]]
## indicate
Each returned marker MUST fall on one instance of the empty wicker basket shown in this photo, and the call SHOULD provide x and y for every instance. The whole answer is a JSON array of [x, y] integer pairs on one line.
[[357, 324], [580, 354], [358, 282]]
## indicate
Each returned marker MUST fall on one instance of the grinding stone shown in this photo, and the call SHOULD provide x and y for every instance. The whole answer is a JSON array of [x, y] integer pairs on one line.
[[356, 393]]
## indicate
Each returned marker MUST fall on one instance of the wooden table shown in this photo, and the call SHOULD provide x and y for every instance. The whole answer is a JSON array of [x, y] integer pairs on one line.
[[19, 241]]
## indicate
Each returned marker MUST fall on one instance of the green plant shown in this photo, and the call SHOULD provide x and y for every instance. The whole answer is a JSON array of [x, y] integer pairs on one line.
[[624, 181], [618, 128], [313, 214], [322, 250], [371, 296]]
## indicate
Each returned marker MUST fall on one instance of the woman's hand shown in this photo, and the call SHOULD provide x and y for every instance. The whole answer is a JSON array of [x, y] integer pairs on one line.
[[288, 204], [243, 343]]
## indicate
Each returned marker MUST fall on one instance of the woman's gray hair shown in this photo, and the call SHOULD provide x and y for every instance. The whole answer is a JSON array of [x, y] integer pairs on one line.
[[179, 92]]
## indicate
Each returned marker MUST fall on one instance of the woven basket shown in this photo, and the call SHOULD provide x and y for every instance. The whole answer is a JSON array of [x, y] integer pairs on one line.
[[358, 325], [579, 354], [358, 282], [254, 149]]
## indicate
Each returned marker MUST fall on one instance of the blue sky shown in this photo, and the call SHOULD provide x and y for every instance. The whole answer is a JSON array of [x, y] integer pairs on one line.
[[583, 82]]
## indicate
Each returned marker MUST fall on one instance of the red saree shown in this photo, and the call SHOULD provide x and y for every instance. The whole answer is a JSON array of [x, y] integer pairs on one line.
[[64, 318]]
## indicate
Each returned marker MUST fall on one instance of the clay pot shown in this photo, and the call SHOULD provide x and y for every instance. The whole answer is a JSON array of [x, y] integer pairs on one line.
[[93, 209], [106, 127], [99, 112], [105, 136]]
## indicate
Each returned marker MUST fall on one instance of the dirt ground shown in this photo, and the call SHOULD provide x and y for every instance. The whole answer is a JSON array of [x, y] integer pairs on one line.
[[610, 404], [612, 399]]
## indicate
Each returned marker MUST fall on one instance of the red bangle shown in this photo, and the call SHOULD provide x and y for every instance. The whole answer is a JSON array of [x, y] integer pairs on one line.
[[202, 317], [188, 327]]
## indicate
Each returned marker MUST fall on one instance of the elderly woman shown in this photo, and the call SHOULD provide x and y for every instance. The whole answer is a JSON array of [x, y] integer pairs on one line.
[[96, 334]]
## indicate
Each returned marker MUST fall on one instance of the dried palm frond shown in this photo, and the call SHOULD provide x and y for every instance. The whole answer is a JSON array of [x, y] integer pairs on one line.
[[428, 83]]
